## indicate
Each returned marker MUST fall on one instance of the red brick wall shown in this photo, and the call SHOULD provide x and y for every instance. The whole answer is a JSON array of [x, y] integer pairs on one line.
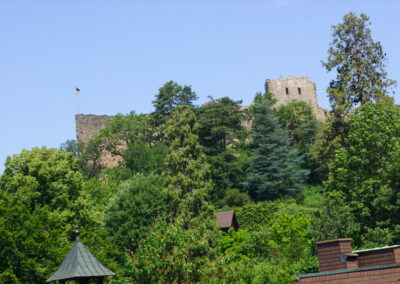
[[376, 257], [378, 276], [396, 252], [329, 254]]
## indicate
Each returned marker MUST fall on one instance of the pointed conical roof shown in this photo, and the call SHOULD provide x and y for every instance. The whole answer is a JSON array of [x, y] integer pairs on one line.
[[79, 262]]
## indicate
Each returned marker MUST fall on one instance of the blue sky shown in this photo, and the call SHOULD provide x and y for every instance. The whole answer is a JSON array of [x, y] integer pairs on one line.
[[119, 52]]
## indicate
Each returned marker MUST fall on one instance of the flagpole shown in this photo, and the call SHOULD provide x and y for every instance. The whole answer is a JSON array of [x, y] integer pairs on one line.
[[77, 103]]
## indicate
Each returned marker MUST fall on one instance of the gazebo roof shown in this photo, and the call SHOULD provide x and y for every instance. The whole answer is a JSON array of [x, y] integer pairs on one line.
[[78, 263]]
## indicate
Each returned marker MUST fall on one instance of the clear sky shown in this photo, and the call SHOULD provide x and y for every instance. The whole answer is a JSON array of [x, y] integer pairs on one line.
[[119, 52]]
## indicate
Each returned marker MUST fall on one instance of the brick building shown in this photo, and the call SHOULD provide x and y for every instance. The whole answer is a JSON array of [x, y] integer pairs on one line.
[[339, 264]]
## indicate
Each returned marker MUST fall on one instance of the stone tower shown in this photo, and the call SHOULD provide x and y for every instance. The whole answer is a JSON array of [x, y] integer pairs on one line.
[[291, 88], [88, 125]]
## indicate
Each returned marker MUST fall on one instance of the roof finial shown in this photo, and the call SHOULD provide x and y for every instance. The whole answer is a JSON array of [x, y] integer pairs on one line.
[[77, 232]]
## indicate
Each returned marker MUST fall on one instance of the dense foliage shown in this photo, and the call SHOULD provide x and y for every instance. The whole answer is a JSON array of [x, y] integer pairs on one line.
[[360, 64], [149, 214], [275, 169], [223, 137], [41, 203], [369, 169]]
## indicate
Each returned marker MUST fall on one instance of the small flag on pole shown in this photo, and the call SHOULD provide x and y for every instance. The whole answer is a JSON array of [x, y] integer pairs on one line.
[[77, 90]]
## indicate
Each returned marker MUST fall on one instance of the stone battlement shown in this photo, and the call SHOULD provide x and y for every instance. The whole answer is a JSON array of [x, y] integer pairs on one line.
[[285, 90], [88, 124], [291, 88]]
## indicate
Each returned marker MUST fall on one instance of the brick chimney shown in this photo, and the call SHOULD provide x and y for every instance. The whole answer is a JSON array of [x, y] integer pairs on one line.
[[335, 255]]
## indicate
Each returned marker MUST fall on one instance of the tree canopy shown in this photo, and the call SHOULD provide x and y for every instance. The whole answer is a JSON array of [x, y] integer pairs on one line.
[[150, 213], [365, 176], [187, 175], [275, 169], [170, 96], [360, 65]]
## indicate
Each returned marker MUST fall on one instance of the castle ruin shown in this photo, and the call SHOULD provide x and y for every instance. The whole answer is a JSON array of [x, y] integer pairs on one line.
[[291, 88], [284, 90], [86, 126], [89, 124]]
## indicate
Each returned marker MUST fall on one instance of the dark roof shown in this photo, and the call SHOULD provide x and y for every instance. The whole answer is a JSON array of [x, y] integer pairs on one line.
[[341, 271], [226, 219], [79, 262], [375, 249]]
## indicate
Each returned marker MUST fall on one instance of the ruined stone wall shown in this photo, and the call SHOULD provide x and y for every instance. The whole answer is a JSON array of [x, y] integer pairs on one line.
[[285, 90], [88, 125], [291, 88]]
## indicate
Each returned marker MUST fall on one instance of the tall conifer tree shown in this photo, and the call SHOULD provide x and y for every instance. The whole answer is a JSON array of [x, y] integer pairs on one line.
[[182, 249], [275, 169], [361, 77], [187, 175], [170, 96], [360, 64]]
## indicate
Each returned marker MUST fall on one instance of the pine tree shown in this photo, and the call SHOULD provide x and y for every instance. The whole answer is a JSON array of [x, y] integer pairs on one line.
[[274, 169], [170, 96], [222, 135], [360, 63], [361, 77], [181, 249], [187, 175]]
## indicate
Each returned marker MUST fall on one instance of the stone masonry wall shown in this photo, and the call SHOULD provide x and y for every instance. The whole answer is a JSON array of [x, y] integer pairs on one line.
[[291, 88], [285, 90], [88, 125]]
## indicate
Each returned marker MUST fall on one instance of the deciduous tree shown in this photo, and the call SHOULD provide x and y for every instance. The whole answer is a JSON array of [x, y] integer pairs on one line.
[[301, 123], [365, 176], [135, 205]]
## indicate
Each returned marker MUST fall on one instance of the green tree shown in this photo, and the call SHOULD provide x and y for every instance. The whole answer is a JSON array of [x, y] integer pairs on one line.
[[256, 216], [303, 127], [301, 123], [8, 277], [234, 197], [131, 211], [275, 169], [331, 137], [169, 97], [187, 175], [220, 124], [41, 200], [142, 158], [130, 139], [90, 154], [274, 247], [223, 137], [182, 246], [360, 65], [361, 77], [335, 219], [365, 176], [173, 253], [70, 146], [33, 242], [43, 176], [124, 130]]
